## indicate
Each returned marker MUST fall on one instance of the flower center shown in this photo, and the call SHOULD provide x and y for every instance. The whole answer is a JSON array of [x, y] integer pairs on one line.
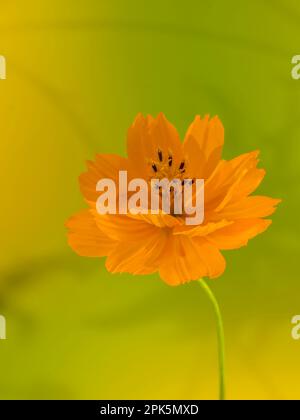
[[164, 167]]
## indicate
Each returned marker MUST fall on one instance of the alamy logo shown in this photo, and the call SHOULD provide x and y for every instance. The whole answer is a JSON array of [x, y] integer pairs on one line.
[[2, 68], [2, 328], [176, 197], [296, 68], [296, 328]]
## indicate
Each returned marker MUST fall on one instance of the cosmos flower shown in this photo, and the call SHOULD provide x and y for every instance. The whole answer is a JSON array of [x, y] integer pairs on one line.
[[163, 243]]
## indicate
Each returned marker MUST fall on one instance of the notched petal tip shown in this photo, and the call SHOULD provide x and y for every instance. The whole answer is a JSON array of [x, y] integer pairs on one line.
[[161, 116], [139, 117]]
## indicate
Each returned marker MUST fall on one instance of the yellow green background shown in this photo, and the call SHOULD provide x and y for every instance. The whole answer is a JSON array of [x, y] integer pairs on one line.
[[77, 74]]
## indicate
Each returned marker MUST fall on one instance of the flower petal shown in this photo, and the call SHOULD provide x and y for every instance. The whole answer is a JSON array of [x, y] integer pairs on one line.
[[161, 220], [249, 208], [181, 262], [124, 228], [85, 238], [201, 230], [105, 166], [249, 183], [189, 259], [238, 234], [203, 145], [211, 256], [146, 137], [140, 257], [248, 178], [223, 182], [139, 147]]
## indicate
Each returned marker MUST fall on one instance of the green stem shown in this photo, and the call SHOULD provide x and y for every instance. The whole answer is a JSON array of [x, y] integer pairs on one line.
[[221, 340]]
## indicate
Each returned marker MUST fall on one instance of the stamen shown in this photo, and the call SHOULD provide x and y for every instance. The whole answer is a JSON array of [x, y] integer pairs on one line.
[[170, 161], [154, 167], [160, 155], [181, 167]]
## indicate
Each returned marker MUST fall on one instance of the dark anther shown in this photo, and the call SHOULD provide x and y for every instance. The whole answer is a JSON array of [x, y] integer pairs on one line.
[[181, 167], [154, 167], [170, 161], [160, 156]]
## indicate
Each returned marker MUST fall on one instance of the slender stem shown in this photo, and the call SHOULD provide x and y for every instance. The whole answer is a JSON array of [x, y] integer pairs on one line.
[[221, 340]]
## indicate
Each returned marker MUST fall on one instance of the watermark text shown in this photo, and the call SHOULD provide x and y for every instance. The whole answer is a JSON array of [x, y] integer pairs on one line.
[[177, 197], [296, 68], [296, 328], [2, 67], [2, 328]]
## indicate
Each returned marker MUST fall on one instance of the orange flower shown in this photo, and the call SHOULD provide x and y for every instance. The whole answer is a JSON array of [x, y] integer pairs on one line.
[[145, 244]]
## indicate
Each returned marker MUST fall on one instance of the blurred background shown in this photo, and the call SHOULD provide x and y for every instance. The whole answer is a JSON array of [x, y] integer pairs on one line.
[[77, 74]]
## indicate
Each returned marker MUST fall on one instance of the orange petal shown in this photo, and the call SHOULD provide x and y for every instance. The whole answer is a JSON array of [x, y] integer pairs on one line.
[[165, 136], [222, 184], [160, 220], [146, 137], [204, 140], [189, 259], [139, 147], [140, 257], [181, 262], [249, 183], [238, 234], [105, 166], [123, 228], [211, 256], [85, 238], [201, 230], [249, 208], [247, 180], [196, 158]]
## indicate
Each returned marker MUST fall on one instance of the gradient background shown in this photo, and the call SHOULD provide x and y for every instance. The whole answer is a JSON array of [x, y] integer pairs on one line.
[[77, 74]]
